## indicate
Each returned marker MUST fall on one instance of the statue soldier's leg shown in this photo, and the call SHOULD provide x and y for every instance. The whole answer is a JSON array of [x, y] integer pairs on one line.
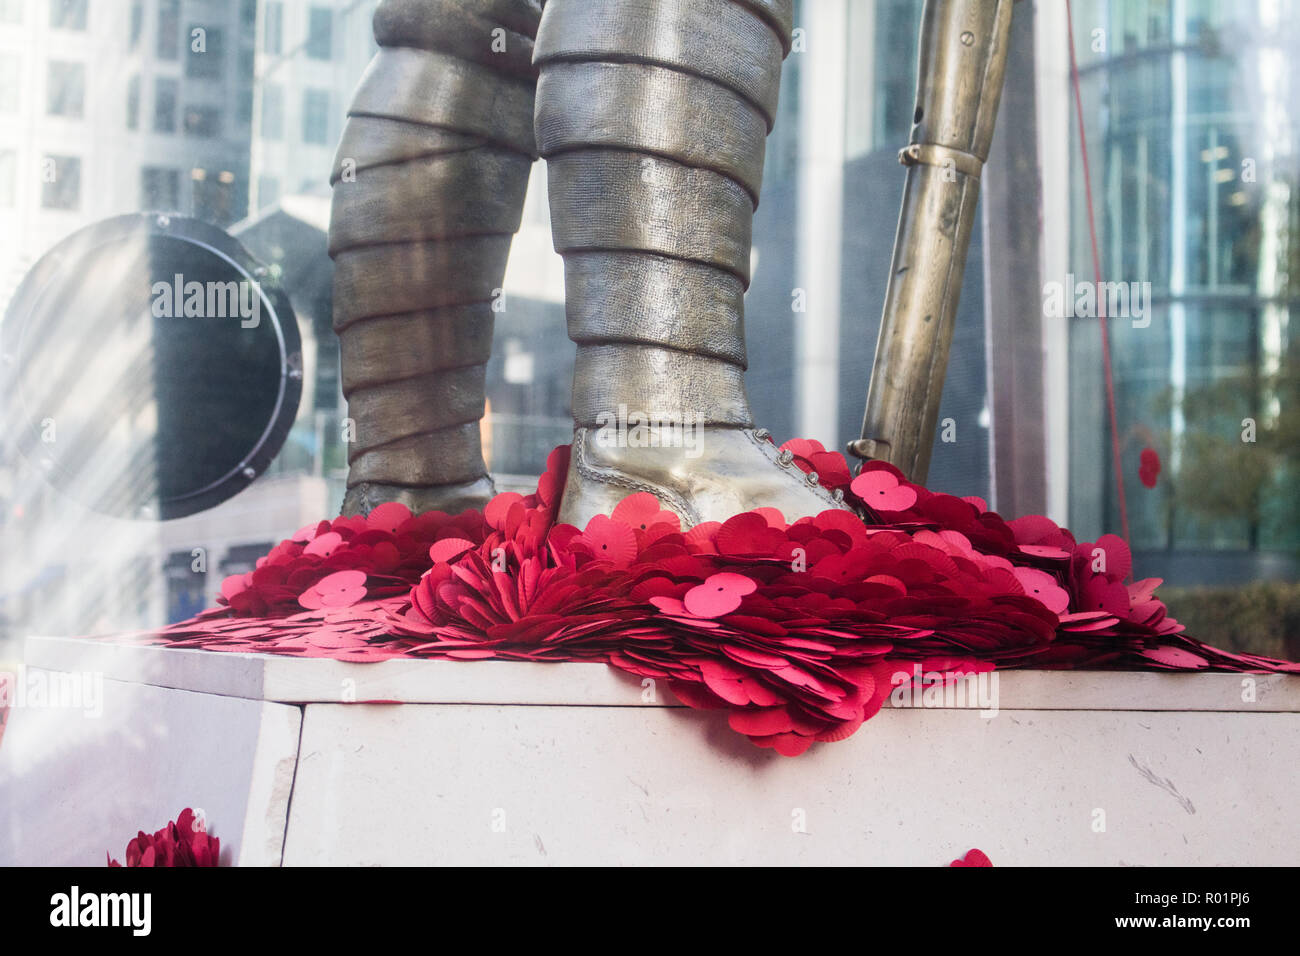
[[653, 115], [429, 187]]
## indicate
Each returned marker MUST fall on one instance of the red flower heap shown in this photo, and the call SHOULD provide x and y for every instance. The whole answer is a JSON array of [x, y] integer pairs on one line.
[[183, 842], [973, 858], [390, 545], [798, 630]]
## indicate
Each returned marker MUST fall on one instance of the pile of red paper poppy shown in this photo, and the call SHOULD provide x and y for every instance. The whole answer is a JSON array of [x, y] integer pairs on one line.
[[182, 842], [800, 630]]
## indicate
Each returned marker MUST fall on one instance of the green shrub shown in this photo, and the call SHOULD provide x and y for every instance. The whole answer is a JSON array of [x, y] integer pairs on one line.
[[1259, 618]]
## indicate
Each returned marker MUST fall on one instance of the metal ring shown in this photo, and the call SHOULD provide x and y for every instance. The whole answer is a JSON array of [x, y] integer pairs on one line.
[[417, 276], [428, 341], [655, 300], [606, 199], [931, 154], [443, 457], [437, 197], [657, 381], [463, 29], [438, 89], [370, 141], [650, 109], [414, 406], [730, 43], [779, 15]]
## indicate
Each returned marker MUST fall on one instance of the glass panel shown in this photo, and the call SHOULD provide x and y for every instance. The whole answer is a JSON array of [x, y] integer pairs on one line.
[[320, 33], [169, 28], [68, 14], [11, 67], [160, 188], [133, 102], [164, 105], [62, 182], [203, 121], [274, 25], [243, 135], [66, 91], [272, 111], [8, 175], [316, 117], [135, 24], [1196, 163], [203, 59]]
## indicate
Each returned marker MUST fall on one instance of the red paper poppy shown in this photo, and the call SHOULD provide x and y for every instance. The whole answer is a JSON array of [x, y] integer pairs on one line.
[[719, 594], [882, 491], [340, 589], [1149, 467], [973, 858], [183, 842], [606, 539], [642, 511]]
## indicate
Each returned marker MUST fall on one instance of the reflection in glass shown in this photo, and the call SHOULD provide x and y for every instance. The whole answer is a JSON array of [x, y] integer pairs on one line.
[[1193, 139]]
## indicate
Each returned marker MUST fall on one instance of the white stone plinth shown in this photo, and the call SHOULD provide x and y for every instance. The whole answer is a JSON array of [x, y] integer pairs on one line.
[[492, 762]]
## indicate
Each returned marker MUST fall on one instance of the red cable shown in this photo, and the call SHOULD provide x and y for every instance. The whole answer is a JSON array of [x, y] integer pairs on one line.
[[1102, 318]]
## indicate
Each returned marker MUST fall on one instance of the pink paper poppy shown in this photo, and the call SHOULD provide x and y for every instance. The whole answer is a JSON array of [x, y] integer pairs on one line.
[[341, 589], [882, 491], [973, 858], [719, 594], [183, 842]]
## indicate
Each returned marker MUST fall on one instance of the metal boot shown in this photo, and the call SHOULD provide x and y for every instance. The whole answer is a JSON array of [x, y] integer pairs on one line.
[[653, 115]]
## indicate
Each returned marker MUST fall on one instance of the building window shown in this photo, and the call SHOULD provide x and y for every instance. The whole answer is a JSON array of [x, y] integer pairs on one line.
[[205, 62], [8, 177], [160, 188], [136, 24], [66, 89], [185, 586], [315, 116], [133, 102], [272, 111], [272, 32], [320, 33], [268, 191], [68, 14], [214, 198], [164, 105], [11, 67], [169, 28], [242, 558], [62, 187], [203, 121]]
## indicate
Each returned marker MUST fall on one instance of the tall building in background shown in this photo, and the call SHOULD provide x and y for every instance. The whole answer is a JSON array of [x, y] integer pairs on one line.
[[1194, 148], [309, 55], [113, 106]]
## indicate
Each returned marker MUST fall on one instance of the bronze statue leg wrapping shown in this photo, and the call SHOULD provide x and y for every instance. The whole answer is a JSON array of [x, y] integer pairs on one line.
[[429, 186], [653, 116]]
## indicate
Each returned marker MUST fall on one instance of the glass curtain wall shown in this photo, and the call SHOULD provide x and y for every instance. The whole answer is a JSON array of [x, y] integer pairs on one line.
[[1192, 141]]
